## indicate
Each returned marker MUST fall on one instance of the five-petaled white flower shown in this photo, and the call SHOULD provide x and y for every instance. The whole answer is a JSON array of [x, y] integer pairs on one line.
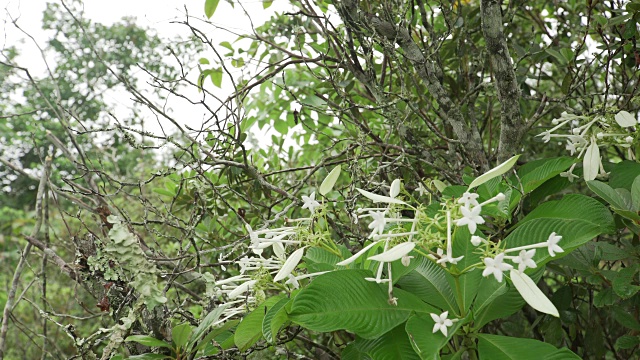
[[378, 223], [470, 217], [442, 322], [469, 200], [310, 202], [525, 260], [495, 266], [552, 244]]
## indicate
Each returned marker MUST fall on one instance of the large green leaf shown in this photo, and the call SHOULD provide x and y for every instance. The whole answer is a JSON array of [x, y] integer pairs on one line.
[[275, 317], [574, 233], [496, 347], [543, 172], [425, 342], [607, 193], [469, 282], [343, 299], [574, 206], [205, 324], [431, 283], [394, 345], [623, 174], [250, 329]]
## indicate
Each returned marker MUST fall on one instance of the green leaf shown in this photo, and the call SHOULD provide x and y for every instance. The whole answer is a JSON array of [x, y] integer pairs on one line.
[[623, 174], [227, 45], [494, 347], [545, 171], [206, 323], [181, 333], [330, 181], [150, 357], [424, 341], [495, 172], [431, 283], [470, 281], [627, 342], [635, 194], [574, 233], [343, 299], [250, 329], [275, 317], [394, 345], [622, 316], [214, 333], [607, 193], [148, 341], [216, 77], [266, 3], [623, 282], [210, 7], [556, 55], [590, 210]]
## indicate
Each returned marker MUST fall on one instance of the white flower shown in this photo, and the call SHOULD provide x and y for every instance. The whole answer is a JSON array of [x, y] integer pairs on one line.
[[470, 217], [546, 136], [629, 139], [292, 281], [310, 202], [569, 175], [552, 244], [406, 260], [378, 223], [495, 266], [448, 259], [525, 260], [241, 289], [468, 199], [476, 240], [571, 147], [442, 322], [421, 190]]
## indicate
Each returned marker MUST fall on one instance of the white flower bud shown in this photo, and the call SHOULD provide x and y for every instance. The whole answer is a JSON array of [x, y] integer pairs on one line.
[[476, 240]]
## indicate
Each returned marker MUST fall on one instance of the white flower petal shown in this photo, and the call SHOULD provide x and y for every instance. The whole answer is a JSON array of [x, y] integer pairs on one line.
[[379, 198], [531, 294], [395, 188], [395, 253], [289, 265], [241, 289], [357, 255], [330, 181], [591, 161], [495, 172], [624, 119]]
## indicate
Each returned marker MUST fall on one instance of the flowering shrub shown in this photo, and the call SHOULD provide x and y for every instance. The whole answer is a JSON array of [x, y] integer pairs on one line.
[[427, 278]]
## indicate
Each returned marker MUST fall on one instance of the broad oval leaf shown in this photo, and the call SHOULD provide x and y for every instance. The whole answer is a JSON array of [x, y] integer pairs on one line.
[[431, 283], [343, 299], [330, 181], [210, 7], [275, 317], [591, 161], [394, 345], [250, 329], [607, 193], [532, 294], [492, 347], [148, 341], [495, 172], [181, 333]]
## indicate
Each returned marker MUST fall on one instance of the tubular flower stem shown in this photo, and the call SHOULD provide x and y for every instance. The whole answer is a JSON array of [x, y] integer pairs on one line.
[[355, 256], [526, 247], [297, 220], [361, 210], [392, 235], [498, 197]]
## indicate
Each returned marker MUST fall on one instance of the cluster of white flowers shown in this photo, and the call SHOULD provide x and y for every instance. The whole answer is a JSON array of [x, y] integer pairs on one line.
[[398, 237], [587, 134]]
